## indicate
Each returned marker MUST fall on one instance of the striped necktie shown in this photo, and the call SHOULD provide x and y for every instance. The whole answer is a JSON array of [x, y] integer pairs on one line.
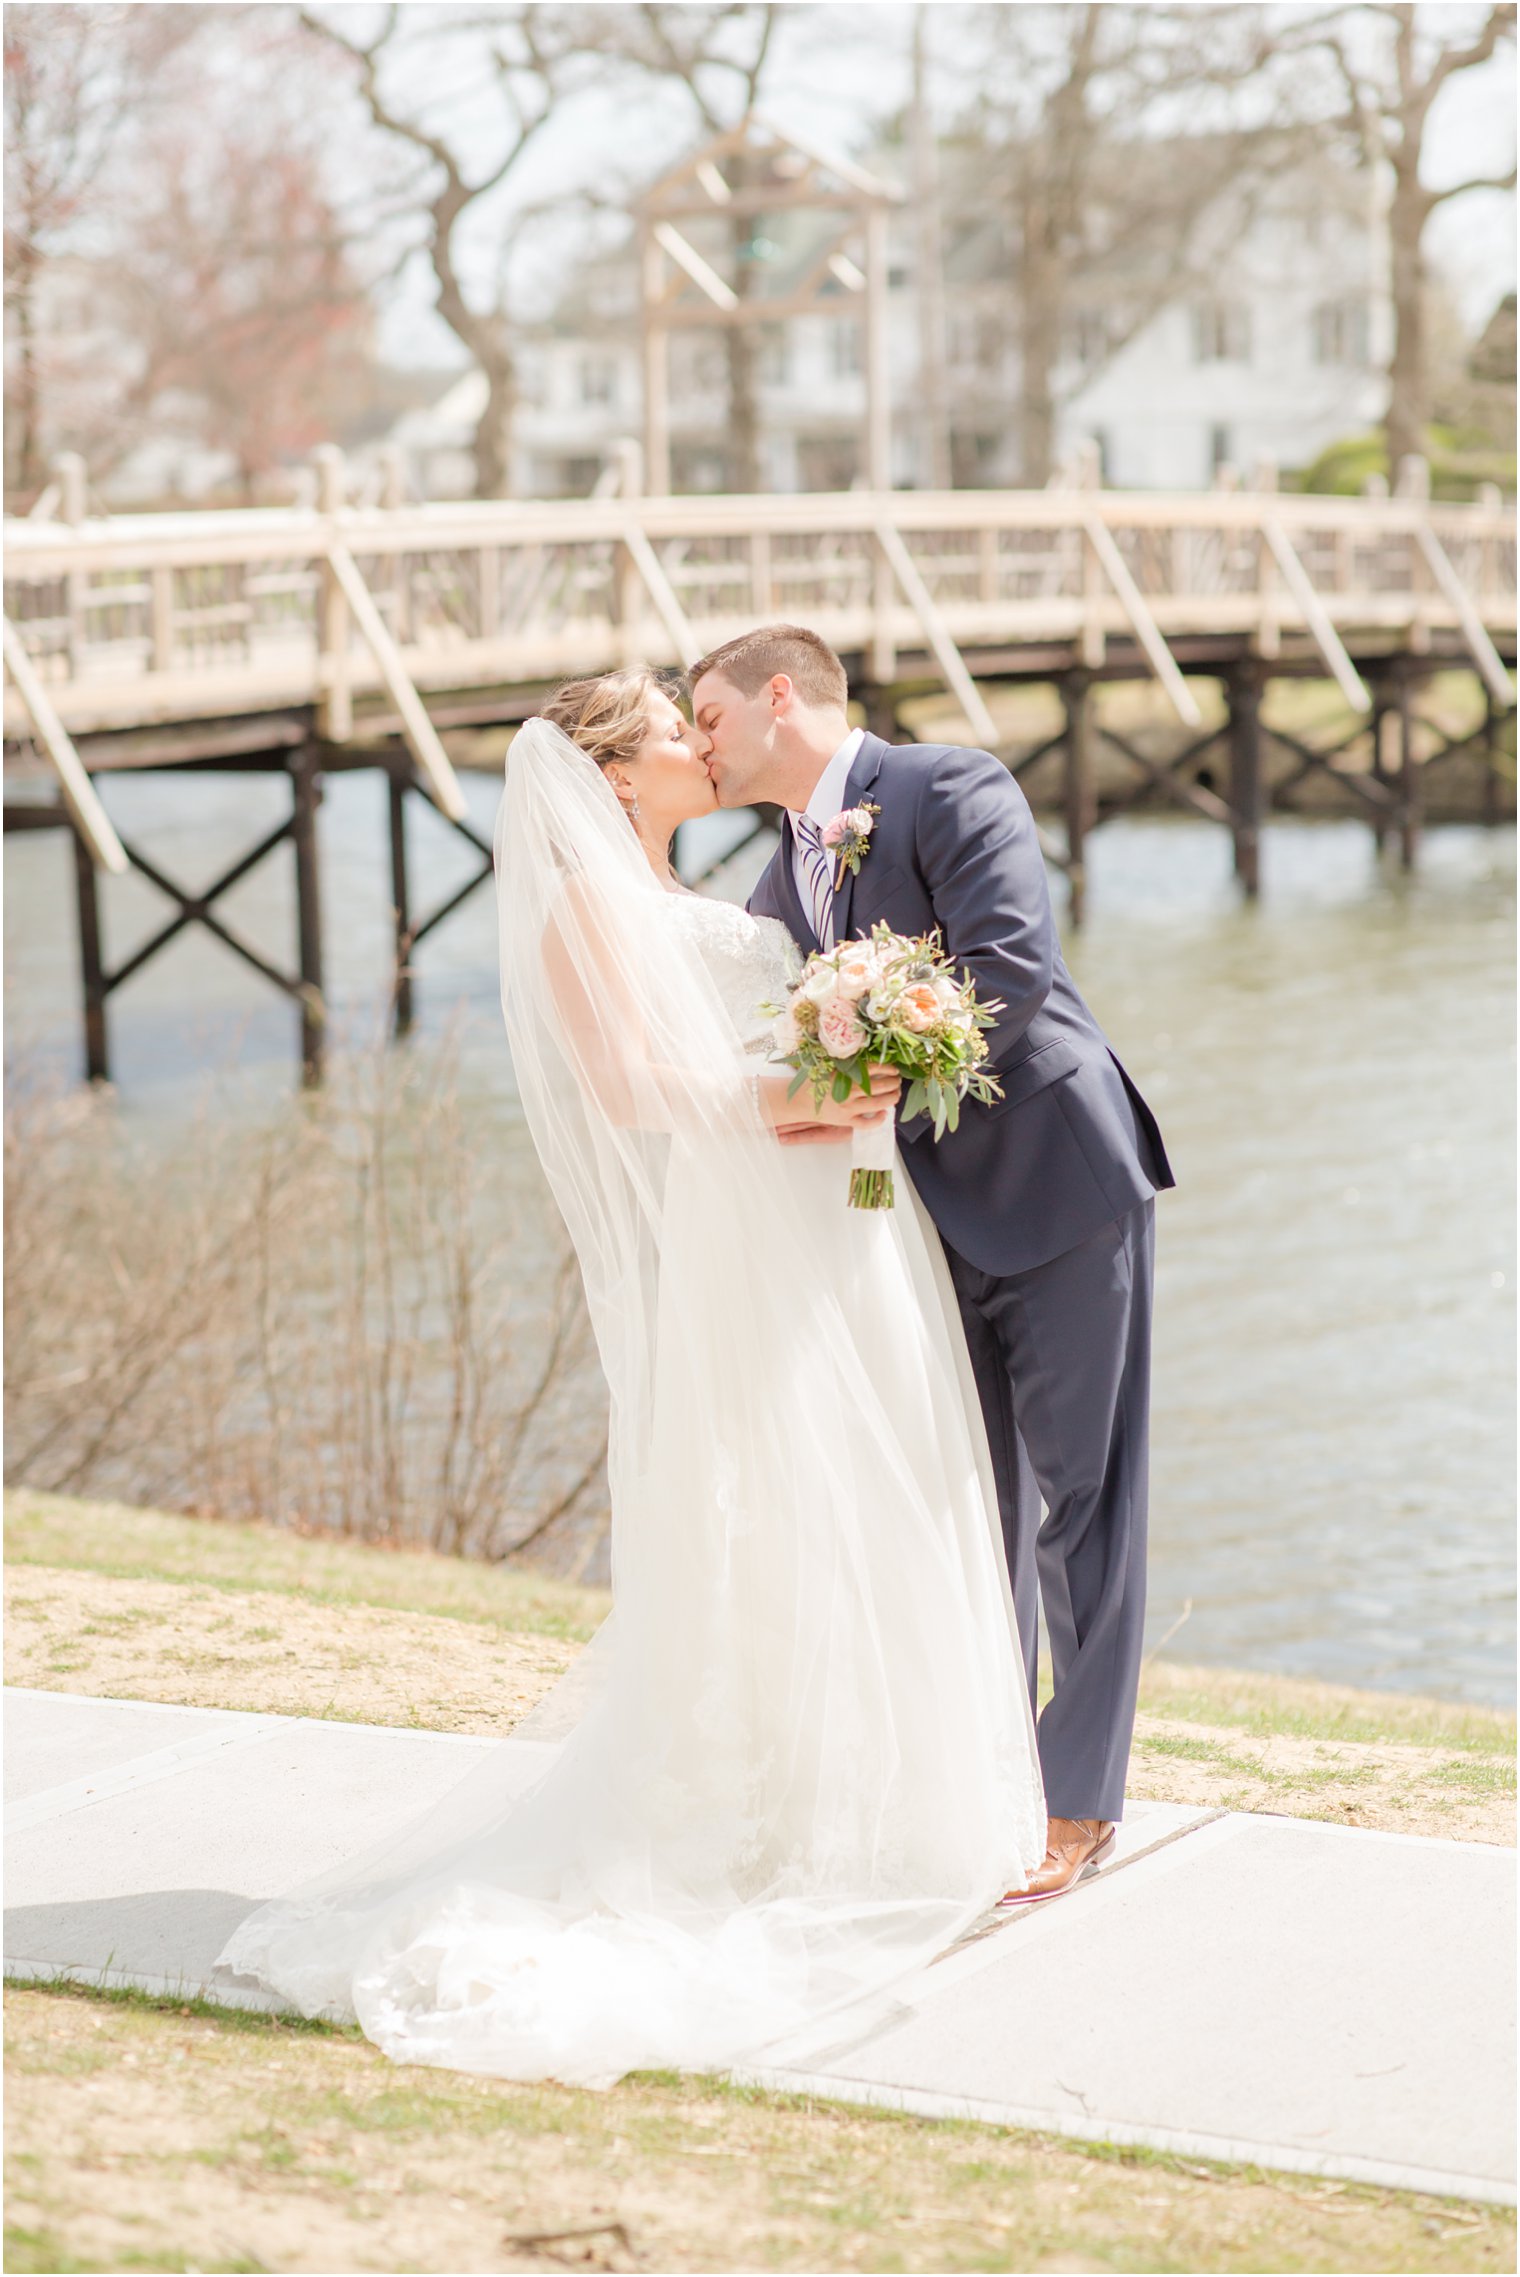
[[818, 868]]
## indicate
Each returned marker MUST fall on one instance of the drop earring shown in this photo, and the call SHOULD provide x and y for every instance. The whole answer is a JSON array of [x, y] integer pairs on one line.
[[633, 810]]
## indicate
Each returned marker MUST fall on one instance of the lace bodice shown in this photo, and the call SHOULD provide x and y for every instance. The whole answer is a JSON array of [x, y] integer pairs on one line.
[[750, 958]]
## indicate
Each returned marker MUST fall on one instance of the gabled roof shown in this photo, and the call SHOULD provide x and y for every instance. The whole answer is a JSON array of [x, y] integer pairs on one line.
[[774, 159]]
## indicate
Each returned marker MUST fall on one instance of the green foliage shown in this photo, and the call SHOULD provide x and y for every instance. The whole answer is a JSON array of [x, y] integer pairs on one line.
[[1460, 459]]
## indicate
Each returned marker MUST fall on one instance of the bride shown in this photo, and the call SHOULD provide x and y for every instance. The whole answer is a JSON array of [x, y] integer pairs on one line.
[[798, 1760]]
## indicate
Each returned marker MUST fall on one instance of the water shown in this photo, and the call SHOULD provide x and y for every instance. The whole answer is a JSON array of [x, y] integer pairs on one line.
[[1333, 1461]]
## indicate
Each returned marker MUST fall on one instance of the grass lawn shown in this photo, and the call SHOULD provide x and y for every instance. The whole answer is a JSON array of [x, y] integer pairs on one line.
[[156, 2135]]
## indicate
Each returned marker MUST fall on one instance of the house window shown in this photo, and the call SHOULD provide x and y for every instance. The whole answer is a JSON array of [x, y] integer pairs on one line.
[[975, 340], [697, 367], [1099, 437], [827, 462], [1219, 450], [844, 348], [598, 379], [1091, 335], [775, 360], [1340, 332], [1221, 333]]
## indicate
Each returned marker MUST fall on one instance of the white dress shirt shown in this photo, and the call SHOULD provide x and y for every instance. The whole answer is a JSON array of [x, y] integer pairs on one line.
[[827, 801]]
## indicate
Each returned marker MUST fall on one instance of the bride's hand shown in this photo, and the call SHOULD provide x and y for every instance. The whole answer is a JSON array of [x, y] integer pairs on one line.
[[797, 1122], [862, 1106]]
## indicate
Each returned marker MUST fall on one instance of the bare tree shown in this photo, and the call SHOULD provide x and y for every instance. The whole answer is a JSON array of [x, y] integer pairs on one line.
[[717, 56], [1390, 64], [76, 82], [174, 263], [1094, 194], [235, 280], [928, 270], [334, 1320], [525, 56]]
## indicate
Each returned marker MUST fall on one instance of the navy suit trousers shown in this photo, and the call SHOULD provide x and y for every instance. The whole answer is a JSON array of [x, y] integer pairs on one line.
[[1062, 1360]]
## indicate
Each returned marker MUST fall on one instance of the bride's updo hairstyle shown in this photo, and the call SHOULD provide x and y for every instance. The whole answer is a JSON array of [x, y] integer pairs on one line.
[[608, 716]]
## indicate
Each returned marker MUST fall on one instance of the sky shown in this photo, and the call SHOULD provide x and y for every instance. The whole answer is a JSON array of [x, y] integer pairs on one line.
[[836, 69]]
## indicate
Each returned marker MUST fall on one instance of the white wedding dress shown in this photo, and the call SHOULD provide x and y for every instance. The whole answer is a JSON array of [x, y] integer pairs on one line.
[[798, 1760]]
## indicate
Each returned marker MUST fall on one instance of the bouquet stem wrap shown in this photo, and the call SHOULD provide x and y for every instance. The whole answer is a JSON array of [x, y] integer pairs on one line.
[[873, 1152]]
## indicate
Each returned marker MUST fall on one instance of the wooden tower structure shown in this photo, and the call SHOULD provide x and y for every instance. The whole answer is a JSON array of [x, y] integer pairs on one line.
[[709, 261]]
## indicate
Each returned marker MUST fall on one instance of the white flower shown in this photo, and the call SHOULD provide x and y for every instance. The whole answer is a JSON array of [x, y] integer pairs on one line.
[[855, 822], [785, 1033]]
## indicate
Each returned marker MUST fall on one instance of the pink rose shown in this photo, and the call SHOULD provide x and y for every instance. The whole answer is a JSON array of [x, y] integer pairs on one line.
[[855, 822], [839, 1031]]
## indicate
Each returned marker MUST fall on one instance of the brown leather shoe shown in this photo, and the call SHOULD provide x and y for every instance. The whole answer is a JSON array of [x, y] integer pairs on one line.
[[1074, 1848]]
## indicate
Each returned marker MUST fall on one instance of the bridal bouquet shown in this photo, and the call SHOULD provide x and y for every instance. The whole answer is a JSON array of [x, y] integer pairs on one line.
[[885, 1002]]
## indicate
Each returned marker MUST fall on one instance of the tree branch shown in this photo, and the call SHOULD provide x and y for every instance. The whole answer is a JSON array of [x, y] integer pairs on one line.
[[1479, 182]]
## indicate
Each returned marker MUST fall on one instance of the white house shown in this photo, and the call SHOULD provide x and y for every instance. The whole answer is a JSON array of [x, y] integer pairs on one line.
[[1275, 346]]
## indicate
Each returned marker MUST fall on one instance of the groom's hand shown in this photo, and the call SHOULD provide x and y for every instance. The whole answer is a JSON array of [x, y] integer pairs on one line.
[[812, 1134]]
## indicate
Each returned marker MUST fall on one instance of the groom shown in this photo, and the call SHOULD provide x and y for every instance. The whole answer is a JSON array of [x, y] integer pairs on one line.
[[1044, 1199]]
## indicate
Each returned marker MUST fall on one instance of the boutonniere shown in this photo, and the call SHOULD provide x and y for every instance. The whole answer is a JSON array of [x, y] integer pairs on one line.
[[849, 836]]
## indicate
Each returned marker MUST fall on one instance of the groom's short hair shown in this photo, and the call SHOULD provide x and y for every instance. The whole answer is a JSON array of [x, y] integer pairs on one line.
[[808, 662]]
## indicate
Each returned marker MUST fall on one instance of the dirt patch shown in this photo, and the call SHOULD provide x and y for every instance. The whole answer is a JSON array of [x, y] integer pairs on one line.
[[1401, 1789], [142, 2137], [204, 1647], [199, 1645]]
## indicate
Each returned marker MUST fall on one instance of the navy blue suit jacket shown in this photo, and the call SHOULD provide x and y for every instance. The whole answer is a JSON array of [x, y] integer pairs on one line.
[[1071, 1145]]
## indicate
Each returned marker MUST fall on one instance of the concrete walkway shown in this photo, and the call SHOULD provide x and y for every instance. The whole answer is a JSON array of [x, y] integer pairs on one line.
[[1309, 1997]]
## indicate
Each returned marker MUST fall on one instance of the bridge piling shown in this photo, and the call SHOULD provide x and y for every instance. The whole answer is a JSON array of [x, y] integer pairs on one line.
[[1081, 783], [1383, 729], [1411, 818], [306, 797], [397, 776], [1245, 687], [1493, 750], [97, 1062]]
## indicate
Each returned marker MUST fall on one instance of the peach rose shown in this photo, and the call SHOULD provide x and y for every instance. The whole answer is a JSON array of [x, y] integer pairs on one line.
[[857, 977], [920, 1008]]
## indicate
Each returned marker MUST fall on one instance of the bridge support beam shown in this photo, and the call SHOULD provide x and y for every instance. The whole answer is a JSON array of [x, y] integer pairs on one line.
[[306, 797], [1384, 725], [880, 708], [1411, 802], [1493, 752], [92, 971], [397, 775], [1078, 702], [1245, 689]]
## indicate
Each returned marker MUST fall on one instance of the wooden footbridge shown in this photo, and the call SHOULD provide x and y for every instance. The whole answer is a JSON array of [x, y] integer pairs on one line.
[[345, 636]]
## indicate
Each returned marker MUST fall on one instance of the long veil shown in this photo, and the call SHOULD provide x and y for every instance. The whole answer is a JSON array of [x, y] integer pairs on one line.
[[798, 1759]]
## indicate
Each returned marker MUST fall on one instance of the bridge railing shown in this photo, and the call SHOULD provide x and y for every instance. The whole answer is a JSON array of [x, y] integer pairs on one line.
[[138, 619]]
